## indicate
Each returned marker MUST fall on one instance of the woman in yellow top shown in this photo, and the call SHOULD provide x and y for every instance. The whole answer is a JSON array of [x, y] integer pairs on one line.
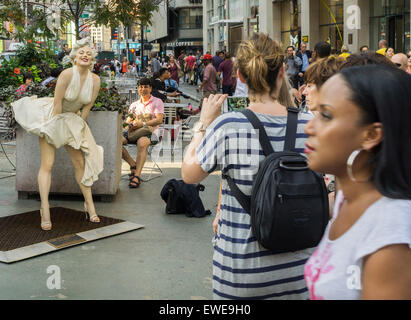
[[344, 52], [61, 121]]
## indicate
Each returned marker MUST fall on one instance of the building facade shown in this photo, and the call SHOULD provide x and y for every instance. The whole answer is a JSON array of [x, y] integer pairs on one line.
[[177, 26], [350, 22], [101, 37]]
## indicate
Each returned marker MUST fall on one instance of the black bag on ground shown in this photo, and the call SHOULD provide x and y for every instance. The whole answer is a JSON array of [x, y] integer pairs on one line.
[[289, 202], [183, 198]]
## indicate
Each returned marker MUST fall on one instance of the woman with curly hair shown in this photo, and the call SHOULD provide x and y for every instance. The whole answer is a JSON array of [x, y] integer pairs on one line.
[[60, 121]]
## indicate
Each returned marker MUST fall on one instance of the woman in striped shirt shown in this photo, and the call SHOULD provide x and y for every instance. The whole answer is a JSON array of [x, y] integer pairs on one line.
[[242, 268]]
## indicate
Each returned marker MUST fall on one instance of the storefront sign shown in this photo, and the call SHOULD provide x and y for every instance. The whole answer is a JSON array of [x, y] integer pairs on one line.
[[305, 39], [156, 47], [185, 44], [353, 17]]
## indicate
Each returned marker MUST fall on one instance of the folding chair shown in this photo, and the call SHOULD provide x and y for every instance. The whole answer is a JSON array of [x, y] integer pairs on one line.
[[169, 126], [187, 127], [155, 168], [4, 127]]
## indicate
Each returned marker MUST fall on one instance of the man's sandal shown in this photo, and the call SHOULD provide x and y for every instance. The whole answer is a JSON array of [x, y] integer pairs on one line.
[[131, 175], [134, 184]]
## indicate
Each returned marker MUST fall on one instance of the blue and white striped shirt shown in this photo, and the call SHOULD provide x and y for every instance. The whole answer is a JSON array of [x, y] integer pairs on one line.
[[242, 268]]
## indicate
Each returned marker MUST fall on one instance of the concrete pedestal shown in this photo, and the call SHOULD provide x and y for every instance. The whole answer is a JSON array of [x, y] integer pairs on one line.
[[106, 127]]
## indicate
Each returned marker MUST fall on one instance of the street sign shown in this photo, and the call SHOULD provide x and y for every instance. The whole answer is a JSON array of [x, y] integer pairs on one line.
[[148, 30], [85, 16]]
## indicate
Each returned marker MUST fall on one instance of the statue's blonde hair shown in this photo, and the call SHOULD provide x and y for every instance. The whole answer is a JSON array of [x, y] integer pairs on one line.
[[86, 42]]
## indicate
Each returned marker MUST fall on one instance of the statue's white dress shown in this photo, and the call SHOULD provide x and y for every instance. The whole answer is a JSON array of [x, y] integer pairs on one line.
[[35, 116]]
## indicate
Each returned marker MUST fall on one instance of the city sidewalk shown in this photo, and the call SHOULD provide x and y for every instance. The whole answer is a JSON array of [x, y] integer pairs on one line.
[[171, 258]]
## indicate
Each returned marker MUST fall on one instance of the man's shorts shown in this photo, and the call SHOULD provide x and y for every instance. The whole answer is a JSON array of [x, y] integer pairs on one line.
[[153, 138]]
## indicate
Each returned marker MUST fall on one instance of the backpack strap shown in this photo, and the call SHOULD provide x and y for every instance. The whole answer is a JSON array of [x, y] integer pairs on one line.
[[291, 131], [262, 134], [243, 200]]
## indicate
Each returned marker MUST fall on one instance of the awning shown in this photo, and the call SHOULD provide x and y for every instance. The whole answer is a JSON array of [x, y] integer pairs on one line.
[[225, 21]]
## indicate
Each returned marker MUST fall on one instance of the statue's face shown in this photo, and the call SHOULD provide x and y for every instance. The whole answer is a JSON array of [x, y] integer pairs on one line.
[[84, 56]]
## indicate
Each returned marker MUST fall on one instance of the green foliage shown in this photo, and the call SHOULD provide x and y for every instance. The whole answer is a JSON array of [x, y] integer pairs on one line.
[[110, 100], [12, 11], [30, 58], [126, 12], [33, 54], [7, 75]]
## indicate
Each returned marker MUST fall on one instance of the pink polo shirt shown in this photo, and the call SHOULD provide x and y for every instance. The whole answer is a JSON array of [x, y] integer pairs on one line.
[[148, 110]]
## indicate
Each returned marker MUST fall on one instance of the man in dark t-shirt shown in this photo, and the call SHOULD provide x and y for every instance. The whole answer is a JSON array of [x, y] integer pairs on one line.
[[229, 80]]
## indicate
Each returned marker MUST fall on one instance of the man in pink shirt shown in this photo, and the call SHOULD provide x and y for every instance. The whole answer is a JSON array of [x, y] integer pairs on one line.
[[145, 115], [208, 85]]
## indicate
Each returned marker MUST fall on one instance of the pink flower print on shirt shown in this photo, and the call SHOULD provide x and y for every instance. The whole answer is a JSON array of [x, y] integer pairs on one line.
[[316, 266]]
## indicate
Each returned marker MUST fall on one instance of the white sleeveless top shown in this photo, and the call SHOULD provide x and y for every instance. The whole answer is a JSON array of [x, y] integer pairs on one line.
[[334, 270], [75, 97]]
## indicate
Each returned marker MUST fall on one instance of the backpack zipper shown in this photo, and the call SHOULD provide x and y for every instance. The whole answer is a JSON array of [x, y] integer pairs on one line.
[[282, 196]]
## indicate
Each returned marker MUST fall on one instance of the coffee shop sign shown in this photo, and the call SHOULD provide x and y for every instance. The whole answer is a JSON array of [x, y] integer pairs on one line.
[[181, 44]]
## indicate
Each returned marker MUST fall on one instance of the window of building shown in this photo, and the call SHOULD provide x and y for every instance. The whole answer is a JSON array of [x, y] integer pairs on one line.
[[210, 10], [390, 20], [221, 9], [253, 16], [191, 18], [221, 33], [210, 39], [332, 23], [291, 23]]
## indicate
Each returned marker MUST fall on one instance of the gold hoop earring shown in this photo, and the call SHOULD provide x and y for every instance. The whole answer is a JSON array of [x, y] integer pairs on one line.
[[350, 163]]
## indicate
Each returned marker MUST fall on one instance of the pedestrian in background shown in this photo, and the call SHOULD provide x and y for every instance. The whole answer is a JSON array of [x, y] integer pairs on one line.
[[344, 52], [400, 60], [316, 75], [208, 85], [305, 56], [229, 80], [174, 68], [322, 50], [293, 66], [190, 63], [124, 66], [155, 64], [181, 62], [364, 49], [389, 53], [382, 44]]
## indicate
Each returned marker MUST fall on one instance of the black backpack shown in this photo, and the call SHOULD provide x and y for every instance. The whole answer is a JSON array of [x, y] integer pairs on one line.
[[289, 202], [183, 198]]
